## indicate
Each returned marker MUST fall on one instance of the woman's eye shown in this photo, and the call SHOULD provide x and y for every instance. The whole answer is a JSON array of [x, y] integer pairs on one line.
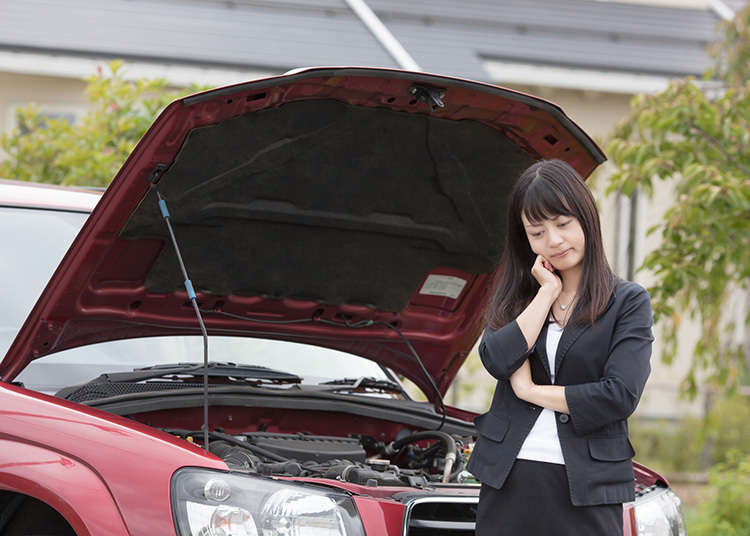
[[536, 235], [563, 224]]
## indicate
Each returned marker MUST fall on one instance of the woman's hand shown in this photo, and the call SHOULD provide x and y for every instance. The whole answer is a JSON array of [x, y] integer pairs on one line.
[[544, 273], [550, 397], [521, 381]]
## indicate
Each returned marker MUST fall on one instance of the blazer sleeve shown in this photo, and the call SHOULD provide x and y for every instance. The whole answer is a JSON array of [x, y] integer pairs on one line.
[[613, 398], [504, 350]]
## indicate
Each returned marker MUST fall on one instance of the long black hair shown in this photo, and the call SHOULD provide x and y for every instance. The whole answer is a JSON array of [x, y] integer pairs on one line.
[[550, 188]]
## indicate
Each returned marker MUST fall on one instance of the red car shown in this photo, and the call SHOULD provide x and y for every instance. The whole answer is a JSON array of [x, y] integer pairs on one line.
[[218, 351]]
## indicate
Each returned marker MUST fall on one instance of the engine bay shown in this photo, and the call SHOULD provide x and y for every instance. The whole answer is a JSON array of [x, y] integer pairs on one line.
[[413, 459], [327, 431]]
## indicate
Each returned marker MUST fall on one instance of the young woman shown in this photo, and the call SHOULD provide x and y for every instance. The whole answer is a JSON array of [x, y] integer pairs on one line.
[[569, 344]]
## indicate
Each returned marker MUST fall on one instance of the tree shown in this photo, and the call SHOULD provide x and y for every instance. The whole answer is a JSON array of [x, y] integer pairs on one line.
[[90, 151], [697, 134]]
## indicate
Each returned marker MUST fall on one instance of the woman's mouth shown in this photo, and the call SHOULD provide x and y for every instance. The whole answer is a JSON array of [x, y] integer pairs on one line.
[[562, 254]]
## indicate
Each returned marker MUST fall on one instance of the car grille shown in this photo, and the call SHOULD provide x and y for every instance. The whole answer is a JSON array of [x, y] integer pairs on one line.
[[441, 516]]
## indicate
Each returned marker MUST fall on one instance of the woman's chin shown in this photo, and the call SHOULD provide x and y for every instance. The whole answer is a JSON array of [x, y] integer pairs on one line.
[[566, 262]]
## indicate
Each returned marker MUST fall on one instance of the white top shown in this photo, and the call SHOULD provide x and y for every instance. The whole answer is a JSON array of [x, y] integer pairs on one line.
[[542, 443]]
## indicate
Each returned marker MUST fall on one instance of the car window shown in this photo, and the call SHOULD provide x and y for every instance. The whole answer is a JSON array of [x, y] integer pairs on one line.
[[34, 241]]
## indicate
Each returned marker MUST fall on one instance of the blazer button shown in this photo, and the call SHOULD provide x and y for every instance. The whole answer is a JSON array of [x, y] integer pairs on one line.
[[563, 418]]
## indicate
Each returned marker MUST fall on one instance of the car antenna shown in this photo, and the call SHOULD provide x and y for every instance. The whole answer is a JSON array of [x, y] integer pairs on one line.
[[153, 179]]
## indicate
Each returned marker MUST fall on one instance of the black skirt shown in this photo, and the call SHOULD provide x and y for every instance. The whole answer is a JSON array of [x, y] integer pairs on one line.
[[535, 500]]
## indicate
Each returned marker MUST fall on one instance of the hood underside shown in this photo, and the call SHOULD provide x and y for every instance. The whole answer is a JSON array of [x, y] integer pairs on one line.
[[324, 201], [342, 195]]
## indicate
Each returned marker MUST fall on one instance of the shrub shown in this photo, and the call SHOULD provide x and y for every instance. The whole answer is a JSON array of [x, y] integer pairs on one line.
[[694, 444], [727, 510]]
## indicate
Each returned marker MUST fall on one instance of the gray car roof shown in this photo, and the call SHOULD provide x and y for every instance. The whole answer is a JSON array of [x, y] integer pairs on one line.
[[443, 36]]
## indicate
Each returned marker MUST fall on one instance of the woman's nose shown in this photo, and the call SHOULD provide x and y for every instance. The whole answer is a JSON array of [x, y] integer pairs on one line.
[[554, 238]]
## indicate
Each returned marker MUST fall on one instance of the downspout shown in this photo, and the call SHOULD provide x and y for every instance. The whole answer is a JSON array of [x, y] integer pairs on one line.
[[383, 35], [722, 9]]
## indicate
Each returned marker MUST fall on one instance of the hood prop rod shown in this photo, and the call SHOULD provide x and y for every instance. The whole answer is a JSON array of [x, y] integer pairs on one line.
[[194, 302]]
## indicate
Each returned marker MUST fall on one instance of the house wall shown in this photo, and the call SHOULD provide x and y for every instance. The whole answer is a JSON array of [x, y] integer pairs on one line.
[[56, 94]]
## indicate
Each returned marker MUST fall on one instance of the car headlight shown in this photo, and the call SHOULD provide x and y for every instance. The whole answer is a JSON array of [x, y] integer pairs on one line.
[[658, 513], [213, 503]]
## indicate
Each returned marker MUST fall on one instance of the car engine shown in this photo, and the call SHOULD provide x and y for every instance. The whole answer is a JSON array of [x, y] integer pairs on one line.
[[413, 459]]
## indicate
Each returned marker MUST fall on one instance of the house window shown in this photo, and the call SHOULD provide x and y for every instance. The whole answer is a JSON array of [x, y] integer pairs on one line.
[[67, 112], [628, 231], [632, 260]]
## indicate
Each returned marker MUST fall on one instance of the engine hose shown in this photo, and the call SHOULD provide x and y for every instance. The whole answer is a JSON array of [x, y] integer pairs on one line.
[[450, 459], [447, 440], [260, 451], [456, 471]]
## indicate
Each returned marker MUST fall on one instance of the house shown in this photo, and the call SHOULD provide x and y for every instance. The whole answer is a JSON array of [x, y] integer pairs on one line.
[[588, 56]]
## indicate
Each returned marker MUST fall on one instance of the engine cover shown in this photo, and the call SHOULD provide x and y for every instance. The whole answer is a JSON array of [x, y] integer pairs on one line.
[[305, 447]]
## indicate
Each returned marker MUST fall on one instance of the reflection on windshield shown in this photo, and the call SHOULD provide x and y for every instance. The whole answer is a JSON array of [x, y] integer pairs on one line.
[[79, 365], [38, 240]]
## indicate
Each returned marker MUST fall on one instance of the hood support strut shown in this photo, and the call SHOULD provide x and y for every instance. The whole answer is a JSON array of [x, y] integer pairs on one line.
[[191, 295]]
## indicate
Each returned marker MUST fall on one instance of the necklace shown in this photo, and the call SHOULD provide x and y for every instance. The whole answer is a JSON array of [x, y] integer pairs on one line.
[[563, 307]]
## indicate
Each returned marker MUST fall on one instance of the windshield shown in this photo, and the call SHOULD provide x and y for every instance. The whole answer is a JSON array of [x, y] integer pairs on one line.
[[78, 365], [38, 240]]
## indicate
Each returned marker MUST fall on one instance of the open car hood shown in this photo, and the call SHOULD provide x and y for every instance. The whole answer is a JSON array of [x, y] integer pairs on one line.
[[333, 194]]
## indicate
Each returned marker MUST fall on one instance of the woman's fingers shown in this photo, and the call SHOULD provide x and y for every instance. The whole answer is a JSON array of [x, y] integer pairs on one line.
[[543, 271], [538, 264]]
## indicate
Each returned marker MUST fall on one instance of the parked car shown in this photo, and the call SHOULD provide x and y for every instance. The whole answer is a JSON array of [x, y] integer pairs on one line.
[[332, 229]]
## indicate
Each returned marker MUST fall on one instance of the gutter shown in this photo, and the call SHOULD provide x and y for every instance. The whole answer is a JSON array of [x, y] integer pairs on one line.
[[383, 35], [722, 9]]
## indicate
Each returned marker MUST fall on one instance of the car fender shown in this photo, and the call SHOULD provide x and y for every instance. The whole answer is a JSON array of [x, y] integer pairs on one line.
[[118, 460], [63, 483]]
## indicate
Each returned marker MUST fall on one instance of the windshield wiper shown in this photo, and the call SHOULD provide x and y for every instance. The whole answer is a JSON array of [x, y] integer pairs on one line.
[[362, 384], [181, 371], [175, 376]]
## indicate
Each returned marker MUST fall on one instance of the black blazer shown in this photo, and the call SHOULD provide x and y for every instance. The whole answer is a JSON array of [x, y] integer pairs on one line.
[[603, 367]]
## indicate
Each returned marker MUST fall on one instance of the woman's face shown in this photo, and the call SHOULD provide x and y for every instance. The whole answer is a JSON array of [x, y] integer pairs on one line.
[[560, 240]]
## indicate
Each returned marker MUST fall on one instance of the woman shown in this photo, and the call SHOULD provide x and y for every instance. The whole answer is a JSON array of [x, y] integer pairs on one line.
[[569, 344]]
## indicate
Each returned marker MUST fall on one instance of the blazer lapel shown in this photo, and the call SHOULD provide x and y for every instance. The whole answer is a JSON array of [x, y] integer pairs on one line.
[[569, 336], [571, 333]]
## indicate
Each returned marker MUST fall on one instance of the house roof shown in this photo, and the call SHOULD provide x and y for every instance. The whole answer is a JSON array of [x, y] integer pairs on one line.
[[272, 35], [443, 36], [573, 33], [735, 4]]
